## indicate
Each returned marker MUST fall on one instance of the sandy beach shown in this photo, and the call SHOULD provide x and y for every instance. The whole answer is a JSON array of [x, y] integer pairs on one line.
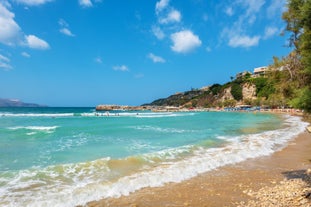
[[277, 180]]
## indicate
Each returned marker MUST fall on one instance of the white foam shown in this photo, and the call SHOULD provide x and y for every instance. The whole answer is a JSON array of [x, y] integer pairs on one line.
[[100, 114], [36, 115], [35, 129], [88, 183], [159, 129]]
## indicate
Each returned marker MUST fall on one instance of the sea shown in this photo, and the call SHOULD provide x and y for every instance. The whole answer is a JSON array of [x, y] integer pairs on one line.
[[70, 156]]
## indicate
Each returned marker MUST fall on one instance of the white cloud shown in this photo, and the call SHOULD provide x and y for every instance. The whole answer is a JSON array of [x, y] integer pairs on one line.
[[10, 32], [237, 32], [158, 32], [5, 63], [162, 4], [185, 41], [67, 32], [33, 2], [270, 32], [243, 41], [121, 68], [4, 59], [156, 59], [36, 43], [25, 54], [65, 28], [85, 3], [173, 16]]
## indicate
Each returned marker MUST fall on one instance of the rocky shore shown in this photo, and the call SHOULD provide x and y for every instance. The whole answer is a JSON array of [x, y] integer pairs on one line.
[[293, 191]]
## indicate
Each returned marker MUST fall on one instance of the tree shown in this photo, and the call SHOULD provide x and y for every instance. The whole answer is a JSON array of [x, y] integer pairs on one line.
[[298, 19], [293, 19], [236, 91]]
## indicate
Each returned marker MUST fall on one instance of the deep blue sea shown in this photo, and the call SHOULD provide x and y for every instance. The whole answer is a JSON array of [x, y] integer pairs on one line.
[[69, 156]]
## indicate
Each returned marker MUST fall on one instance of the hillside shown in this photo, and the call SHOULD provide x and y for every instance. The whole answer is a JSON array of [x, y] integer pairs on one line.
[[273, 88], [216, 95], [16, 103]]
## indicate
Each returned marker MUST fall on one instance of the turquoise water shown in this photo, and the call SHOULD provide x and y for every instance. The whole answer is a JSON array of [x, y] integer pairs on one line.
[[69, 156]]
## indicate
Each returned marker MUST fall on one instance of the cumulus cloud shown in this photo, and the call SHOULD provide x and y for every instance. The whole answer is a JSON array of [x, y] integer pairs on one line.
[[172, 16], [167, 14], [36, 43], [155, 58], [85, 3], [161, 5], [5, 63], [158, 32], [243, 41], [10, 32], [33, 2], [123, 68], [185, 41]]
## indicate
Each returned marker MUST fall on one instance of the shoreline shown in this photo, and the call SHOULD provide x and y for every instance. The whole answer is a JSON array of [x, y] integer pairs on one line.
[[234, 185]]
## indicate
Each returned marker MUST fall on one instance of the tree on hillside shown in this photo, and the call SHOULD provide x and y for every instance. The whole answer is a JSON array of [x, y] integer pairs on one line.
[[298, 19], [236, 91]]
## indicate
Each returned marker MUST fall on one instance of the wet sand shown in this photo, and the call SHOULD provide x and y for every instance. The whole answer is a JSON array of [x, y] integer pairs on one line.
[[242, 184]]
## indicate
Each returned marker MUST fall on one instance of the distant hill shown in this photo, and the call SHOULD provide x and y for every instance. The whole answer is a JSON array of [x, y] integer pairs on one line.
[[16, 103]]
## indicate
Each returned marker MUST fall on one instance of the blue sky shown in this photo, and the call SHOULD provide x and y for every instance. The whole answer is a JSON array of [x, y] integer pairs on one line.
[[130, 52]]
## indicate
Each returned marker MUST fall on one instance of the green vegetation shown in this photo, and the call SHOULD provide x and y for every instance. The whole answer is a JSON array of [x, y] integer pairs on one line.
[[298, 63], [236, 91]]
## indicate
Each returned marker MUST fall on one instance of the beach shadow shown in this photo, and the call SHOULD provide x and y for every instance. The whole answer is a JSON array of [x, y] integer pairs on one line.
[[298, 174]]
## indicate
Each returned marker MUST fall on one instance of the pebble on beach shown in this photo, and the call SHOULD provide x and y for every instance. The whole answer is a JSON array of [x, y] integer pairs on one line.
[[289, 192]]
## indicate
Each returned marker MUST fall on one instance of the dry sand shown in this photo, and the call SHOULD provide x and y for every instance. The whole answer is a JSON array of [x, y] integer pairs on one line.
[[276, 180]]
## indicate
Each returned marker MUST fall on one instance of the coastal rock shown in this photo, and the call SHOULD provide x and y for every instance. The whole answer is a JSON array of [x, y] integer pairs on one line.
[[249, 91], [226, 95]]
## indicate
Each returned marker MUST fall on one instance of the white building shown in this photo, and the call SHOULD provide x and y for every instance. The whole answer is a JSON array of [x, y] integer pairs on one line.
[[260, 71]]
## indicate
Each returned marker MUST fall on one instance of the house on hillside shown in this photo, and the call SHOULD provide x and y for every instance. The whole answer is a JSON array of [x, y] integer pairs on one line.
[[260, 71]]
